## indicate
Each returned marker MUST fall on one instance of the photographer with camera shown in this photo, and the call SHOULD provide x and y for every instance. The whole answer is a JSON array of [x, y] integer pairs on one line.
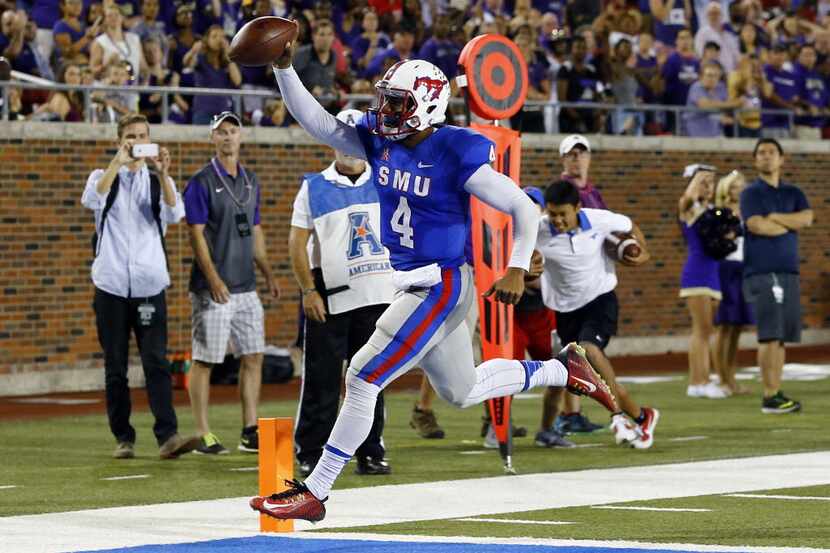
[[132, 210]]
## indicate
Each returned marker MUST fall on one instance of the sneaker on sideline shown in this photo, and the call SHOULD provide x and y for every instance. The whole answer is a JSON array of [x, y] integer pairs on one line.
[[425, 424], [552, 438], [210, 445], [249, 440], [779, 404], [125, 450]]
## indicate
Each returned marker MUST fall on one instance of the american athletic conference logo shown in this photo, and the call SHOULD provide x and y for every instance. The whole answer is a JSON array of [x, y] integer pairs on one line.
[[362, 235]]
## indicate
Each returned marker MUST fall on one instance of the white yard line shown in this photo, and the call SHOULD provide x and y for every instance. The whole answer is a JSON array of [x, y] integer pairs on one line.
[[129, 477], [762, 496], [244, 469], [665, 509], [225, 518], [473, 452], [514, 521], [688, 438], [7, 487]]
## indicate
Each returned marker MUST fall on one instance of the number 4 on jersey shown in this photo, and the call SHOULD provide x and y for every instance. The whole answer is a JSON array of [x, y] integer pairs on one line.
[[401, 223]]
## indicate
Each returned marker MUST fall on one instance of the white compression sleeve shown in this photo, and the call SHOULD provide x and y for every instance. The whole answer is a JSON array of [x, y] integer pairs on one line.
[[313, 118], [499, 191]]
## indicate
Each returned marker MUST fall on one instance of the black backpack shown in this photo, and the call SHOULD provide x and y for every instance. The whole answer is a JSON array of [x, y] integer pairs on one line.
[[155, 202]]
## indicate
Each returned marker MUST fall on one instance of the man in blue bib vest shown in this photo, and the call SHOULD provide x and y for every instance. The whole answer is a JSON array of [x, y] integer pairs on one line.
[[346, 280]]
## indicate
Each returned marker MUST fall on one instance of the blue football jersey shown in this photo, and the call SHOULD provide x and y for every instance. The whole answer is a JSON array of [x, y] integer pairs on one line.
[[424, 209]]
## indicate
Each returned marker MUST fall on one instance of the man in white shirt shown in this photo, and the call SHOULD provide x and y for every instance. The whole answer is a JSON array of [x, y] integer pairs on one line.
[[578, 283], [132, 210], [346, 281]]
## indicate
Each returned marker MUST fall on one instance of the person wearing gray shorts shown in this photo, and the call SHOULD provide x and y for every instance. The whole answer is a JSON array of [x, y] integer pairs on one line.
[[222, 208], [774, 212]]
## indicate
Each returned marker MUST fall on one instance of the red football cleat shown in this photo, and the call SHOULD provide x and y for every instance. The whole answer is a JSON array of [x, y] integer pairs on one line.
[[647, 428], [294, 503], [583, 379]]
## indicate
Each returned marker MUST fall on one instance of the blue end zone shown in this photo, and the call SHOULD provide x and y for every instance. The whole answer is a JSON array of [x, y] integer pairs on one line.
[[272, 544]]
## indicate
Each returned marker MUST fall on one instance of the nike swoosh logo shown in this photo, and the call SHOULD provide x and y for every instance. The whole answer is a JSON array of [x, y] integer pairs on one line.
[[219, 190], [589, 385], [276, 506], [422, 165]]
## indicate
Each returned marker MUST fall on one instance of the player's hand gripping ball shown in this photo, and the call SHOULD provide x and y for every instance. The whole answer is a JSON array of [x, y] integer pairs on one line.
[[262, 41]]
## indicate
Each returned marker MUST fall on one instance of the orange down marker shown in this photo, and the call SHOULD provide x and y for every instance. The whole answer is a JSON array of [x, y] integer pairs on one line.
[[276, 463]]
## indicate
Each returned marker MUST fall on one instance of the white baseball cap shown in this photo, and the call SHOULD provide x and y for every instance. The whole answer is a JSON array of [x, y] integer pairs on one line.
[[569, 142], [219, 118], [350, 116]]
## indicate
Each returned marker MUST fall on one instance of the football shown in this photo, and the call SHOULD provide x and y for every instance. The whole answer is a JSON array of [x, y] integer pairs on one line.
[[620, 244], [262, 41]]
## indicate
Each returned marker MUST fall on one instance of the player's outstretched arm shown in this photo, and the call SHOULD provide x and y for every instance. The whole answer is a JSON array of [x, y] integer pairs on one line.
[[310, 114], [500, 192]]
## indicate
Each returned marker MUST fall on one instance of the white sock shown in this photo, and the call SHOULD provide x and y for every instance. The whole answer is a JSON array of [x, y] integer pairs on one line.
[[350, 430], [505, 377]]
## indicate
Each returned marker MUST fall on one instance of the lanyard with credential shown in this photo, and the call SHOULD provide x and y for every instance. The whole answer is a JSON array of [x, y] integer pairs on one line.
[[243, 227]]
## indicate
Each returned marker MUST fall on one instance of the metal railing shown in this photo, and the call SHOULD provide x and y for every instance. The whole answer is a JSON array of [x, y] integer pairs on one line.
[[351, 100]]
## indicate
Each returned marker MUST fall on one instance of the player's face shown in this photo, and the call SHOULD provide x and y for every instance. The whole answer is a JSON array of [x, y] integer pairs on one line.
[[393, 108], [563, 217]]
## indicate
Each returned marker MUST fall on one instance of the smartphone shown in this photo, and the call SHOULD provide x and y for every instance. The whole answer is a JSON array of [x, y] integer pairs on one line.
[[145, 150]]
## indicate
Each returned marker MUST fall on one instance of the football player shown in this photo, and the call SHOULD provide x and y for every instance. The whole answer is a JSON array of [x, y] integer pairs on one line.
[[424, 173]]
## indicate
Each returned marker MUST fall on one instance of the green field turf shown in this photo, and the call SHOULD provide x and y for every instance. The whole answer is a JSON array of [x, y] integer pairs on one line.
[[730, 521], [64, 459]]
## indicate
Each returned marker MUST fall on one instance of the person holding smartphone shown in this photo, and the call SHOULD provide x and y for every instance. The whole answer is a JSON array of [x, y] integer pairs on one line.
[[134, 199]]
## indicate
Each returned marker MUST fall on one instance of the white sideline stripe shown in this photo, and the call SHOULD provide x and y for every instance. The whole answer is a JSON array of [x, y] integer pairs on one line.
[[688, 438], [244, 469], [514, 521], [473, 452], [194, 521], [762, 496], [584, 446], [7, 487], [666, 509], [129, 477], [617, 544]]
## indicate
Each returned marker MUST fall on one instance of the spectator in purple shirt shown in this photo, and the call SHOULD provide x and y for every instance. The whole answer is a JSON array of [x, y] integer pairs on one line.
[[670, 17], [441, 50], [710, 93], [531, 118], [575, 151], [212, 69], [556, 7], [784, 94], [403, 43], [151, 27], [72, 37], [813, 91], [680, 70], [21, 48], [44, 14], [369, 43]]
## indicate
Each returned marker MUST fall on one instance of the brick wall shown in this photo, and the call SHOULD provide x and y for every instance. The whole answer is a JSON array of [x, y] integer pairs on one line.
[[46, 319]]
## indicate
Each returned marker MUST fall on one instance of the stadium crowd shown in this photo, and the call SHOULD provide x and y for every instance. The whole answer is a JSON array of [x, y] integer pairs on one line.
[[733, 57]]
